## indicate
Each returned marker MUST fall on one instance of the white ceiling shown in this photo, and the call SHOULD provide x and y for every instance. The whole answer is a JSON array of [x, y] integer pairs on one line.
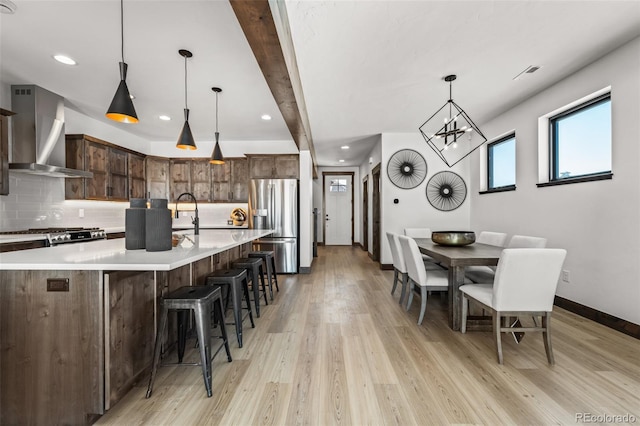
[[367, 67]]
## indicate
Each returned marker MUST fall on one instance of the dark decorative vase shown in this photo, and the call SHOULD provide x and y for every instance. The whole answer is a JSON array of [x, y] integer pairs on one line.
[[134, 224], [158, 226]]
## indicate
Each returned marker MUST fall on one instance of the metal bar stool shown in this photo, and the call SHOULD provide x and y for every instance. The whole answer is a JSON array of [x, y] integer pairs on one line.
[[253, 266], [270, 261], [202, 300], [234, 284]]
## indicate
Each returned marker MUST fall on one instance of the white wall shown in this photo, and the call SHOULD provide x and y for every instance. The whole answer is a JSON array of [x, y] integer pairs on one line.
[[413, 209], [306, 210], [357, 200], [597, 222]]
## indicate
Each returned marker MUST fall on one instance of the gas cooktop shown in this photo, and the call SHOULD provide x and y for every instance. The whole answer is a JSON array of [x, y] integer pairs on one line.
[[63, 235]]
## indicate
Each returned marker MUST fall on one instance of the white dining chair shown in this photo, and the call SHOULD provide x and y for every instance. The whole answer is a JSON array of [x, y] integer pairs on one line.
[[525, 284], [421, 233], [486, 274], [419, 276], [496, 239], [399, 265]]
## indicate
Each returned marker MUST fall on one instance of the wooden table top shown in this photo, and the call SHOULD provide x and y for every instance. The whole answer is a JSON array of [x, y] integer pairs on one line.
[[472, 254]]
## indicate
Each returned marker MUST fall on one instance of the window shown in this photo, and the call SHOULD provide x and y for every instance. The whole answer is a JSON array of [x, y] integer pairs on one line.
[[338, 185], [580, 141], [501, 164]]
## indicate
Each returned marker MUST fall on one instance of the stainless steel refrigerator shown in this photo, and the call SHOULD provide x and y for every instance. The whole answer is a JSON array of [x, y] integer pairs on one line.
[[273, 204]]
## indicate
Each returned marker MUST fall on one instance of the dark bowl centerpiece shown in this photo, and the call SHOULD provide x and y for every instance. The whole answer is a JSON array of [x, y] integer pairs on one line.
[[453, 238]]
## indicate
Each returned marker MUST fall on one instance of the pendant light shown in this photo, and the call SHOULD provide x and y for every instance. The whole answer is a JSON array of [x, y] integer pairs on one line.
[[121, 108], [216, 156], [450, 132], [185, 140]]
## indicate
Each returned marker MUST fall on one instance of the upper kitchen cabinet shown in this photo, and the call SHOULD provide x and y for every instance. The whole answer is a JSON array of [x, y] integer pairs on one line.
[[4, 151], [157, 177], [231, 180], [109, 164], [201, 179], [180, 177], [137, 180], [274, 166]]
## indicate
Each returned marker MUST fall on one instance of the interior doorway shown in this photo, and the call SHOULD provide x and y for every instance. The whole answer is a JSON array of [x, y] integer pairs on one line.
[[338, 208], [375, 206], [365, 213]]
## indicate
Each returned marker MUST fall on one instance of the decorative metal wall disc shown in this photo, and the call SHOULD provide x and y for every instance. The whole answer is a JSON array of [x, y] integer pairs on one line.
[[446, 191], [407, 169]]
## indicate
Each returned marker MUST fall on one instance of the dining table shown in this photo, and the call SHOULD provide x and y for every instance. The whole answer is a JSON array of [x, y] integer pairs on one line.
[[455, 259]]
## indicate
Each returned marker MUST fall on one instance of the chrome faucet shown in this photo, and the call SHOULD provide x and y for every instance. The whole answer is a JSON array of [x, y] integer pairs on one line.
[[196, 220]]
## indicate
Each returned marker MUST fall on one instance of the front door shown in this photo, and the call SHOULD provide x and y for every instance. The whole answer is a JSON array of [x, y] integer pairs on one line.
[[338, 209]]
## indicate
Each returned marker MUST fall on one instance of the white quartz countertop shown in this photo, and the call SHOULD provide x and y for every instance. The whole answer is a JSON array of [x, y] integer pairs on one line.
[[112, 255]]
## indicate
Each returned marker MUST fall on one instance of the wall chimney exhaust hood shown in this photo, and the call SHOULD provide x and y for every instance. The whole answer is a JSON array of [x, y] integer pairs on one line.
[[38, 140]]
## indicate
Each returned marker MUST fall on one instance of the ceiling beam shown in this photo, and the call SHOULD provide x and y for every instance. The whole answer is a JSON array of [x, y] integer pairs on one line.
[[266, 26]]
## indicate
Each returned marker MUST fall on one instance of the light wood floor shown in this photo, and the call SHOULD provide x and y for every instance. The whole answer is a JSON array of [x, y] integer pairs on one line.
[[336, 348]]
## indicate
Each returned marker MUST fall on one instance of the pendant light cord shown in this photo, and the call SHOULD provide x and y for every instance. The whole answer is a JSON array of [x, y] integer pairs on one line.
[[122, 28], [216, 112], [185, 82]]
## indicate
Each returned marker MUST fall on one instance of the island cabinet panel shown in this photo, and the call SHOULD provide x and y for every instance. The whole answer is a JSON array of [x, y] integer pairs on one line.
[[201, 269], [129, 312], [180, 181], [51, 347], [201, 180], [157, 177], [136, 176], [221, 261]]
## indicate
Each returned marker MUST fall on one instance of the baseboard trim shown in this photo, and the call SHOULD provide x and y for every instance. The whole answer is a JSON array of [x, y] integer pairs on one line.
[[618, 324], [386, 266], [305, 270], [320, 243]]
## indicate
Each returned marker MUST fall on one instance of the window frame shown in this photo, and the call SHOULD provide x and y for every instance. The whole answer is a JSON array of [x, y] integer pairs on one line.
[[553, 178], [504, 188]]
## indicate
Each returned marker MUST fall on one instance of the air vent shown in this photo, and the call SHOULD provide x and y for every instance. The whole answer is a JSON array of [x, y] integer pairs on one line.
[[528, 70]]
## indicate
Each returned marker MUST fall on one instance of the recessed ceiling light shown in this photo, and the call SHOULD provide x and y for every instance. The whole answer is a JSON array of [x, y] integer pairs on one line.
[[164, 117], [64, 59], [266, 117], [340, 161], [344, 147]]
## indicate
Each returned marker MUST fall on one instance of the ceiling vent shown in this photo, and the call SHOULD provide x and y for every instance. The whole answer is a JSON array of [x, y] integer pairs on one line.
[[7, 7], [528, 70]]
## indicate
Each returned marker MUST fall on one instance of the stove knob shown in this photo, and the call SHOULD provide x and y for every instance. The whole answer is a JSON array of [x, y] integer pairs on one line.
[[55, 238]]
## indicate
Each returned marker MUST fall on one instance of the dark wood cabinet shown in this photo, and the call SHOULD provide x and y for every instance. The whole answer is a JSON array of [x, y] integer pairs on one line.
[[274, 166], [118, 188], [137, 187], [112, 173], [231, 181], [239, 180], [95, 160], [201, 179], [4, 151], [157, 169], [180, 177]]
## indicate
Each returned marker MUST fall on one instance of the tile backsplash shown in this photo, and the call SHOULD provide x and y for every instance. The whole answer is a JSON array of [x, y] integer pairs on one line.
[[38, 202]]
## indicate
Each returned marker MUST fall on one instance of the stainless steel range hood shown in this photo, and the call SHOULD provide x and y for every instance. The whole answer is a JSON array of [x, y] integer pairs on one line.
[[38, 142]]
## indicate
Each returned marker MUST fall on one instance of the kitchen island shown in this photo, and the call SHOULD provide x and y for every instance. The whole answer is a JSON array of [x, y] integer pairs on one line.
[[78, 321]]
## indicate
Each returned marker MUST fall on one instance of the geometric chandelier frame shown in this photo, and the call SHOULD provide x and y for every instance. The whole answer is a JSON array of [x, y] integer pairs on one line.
[[450, 132]]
